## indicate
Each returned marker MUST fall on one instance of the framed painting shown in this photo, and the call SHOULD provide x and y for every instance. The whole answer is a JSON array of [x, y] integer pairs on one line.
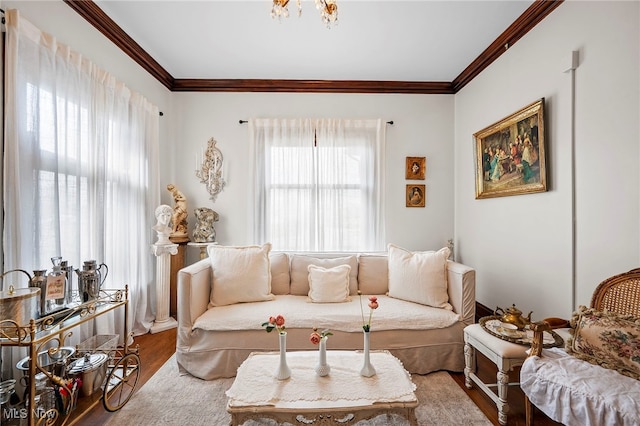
[[415, 168], [416, 195], [510, 154]]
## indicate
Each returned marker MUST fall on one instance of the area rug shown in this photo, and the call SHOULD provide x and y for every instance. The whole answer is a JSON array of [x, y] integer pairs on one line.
[[171, 399]]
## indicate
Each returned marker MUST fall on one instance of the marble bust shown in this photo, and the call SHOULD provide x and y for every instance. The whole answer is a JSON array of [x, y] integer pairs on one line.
[[162, 228], [204, 231]]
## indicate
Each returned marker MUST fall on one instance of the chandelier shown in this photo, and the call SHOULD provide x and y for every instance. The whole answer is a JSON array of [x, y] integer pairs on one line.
[[328, 10]]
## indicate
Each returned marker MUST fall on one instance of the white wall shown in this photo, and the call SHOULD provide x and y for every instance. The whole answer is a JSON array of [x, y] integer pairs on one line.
[[522, 246], [423, 126]]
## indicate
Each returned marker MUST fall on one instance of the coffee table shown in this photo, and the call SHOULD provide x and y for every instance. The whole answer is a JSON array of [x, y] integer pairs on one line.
[[343, 397]]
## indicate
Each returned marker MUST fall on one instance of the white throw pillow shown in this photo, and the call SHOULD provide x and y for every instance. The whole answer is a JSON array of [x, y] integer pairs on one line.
[[329, 285], [300, 273], [419, 277], [240, 274]]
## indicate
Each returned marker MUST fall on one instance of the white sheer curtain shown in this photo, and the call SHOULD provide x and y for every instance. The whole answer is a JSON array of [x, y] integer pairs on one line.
[[80, 168], [318, 185]]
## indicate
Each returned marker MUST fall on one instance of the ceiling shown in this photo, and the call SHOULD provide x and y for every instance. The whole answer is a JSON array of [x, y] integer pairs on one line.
[[427, 44]]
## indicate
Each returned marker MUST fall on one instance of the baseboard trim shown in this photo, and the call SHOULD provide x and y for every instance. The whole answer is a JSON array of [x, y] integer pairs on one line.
[[482, 311]]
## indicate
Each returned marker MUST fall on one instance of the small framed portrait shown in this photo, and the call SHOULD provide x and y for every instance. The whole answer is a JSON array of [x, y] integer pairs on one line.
[[415, 168], [416, 195]]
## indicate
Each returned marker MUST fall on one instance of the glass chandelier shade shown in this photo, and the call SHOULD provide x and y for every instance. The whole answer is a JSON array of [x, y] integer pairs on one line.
[[328, 10]]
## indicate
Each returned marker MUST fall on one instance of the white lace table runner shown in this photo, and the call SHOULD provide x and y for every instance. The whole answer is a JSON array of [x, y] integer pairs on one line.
[[255, 383]]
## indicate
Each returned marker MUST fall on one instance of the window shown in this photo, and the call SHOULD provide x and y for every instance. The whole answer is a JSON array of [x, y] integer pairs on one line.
[[80, 165], [318, 184]]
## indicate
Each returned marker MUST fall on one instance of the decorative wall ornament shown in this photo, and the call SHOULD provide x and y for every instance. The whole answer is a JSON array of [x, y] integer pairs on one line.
[[510, 154], [415, 168], [209, 170]]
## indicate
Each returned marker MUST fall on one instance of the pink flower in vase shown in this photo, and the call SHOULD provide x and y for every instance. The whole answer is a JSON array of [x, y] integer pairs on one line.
[[373, 304], [315, 337], [274, 323]]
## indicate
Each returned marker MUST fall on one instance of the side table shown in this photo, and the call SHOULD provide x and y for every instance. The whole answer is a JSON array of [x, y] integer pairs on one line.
[[503, 354], [203, 248]]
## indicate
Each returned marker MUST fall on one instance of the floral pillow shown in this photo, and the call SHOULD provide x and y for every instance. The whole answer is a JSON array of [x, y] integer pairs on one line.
[[606, 339]]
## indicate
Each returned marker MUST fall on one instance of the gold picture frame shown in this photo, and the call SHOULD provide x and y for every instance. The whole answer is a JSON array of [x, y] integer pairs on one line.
[[510, 154], [415, 168], [415, 195]]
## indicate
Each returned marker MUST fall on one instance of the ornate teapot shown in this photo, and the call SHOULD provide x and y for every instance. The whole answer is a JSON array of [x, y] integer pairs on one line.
[[513, 316]]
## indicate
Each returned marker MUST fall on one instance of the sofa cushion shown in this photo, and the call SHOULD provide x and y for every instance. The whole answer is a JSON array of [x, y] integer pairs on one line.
[[299, 265], [393, 314], [373, 274], [419, 277], [240, 274], [606, 339], [329, 285], [279, 273]]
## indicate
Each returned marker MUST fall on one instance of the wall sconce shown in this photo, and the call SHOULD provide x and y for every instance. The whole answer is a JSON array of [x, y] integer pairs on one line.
[[209, 169]]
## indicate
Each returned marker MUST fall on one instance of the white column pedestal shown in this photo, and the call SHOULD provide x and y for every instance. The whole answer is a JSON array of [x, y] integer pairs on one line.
[[163, 254]]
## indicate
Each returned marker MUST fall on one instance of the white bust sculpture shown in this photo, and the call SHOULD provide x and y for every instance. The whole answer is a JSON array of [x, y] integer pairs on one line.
[[162, 228]]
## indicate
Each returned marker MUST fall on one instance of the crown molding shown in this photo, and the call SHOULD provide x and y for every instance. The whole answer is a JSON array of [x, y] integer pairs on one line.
[[103, 23], [521, 26], [311, 86]]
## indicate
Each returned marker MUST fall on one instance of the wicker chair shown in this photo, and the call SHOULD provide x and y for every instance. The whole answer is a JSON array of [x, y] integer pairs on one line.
[[619, 294]]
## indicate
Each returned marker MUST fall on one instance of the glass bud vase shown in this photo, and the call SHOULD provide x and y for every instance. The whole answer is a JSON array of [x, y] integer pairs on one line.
[[323, 369], [367, 368], [283, 371]]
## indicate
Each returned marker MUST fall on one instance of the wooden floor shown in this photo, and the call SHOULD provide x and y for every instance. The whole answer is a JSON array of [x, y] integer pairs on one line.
[[156, 349]]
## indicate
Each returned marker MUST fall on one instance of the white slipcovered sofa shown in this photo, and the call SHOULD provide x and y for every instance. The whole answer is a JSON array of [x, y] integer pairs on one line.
[[220, 310]]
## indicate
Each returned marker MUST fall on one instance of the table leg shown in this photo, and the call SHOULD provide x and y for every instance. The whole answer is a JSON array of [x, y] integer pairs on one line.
[[413, 420], [469, 364], [503, 387], [203, 252]]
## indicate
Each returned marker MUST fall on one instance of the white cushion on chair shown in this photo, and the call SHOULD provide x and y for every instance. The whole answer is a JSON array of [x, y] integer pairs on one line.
[[575, 392]]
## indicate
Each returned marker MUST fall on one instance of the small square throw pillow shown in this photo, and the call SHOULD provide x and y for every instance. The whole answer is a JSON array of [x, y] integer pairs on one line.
[[240, 274], [329, 285], [419, 277]]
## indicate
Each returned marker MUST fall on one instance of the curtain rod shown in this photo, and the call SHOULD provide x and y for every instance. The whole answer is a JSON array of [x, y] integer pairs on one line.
[[245, 121]]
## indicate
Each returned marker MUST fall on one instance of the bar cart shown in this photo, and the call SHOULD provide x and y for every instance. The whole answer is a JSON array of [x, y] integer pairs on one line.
[[45, 338]]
